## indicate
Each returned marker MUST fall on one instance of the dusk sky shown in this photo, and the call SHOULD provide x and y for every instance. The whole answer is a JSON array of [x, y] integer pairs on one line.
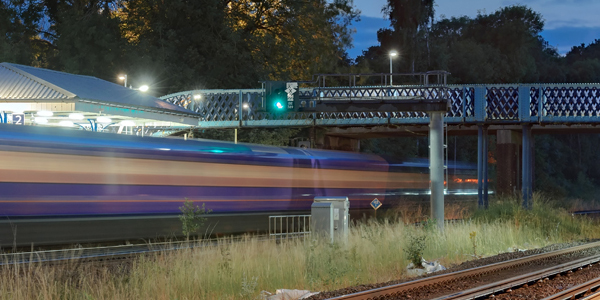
[[567, 23]]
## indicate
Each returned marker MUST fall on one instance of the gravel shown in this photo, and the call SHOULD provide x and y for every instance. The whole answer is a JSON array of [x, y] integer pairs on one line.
[[463, 266]]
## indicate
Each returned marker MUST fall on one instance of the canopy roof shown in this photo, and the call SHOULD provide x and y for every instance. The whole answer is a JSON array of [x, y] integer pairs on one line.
[[24, 88]]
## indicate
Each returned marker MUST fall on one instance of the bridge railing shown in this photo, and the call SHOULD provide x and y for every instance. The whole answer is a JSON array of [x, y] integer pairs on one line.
[[470, 104]]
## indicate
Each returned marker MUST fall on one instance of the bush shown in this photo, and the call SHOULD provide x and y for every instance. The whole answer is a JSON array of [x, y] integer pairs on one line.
[[192, 217], [415, 248]]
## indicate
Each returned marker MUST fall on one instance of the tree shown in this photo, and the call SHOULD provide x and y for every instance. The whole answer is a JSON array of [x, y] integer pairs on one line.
[[192, 217], [514, 31], [88, 39], [185, 45], [409, 21], [234, 44], [20, 22], [287, 43]]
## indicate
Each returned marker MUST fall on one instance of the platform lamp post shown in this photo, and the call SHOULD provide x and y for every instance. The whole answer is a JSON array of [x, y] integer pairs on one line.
[[392, 54], [124, 78]]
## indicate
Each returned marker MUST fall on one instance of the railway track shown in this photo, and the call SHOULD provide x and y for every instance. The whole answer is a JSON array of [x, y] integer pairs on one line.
[[587, 290], [119, 252], [501, 277]]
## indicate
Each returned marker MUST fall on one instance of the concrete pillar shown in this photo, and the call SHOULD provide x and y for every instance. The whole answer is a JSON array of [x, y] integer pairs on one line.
[[482, 166], [341, 143], [508, 157], [436, 166], [527, 167]]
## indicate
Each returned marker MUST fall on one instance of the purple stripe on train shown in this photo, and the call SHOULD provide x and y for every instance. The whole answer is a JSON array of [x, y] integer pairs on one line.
[[30, 199]]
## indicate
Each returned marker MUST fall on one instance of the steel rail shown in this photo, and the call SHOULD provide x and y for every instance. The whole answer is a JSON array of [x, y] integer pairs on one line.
[[450, 277], [110, 252], [595, 296], [506, 284], [579, 290]]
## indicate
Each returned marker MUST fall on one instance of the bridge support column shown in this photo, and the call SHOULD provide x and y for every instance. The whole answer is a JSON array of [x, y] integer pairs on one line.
[[508, 147], [341, 143], [482, 166], [527, 167], [436, 166]]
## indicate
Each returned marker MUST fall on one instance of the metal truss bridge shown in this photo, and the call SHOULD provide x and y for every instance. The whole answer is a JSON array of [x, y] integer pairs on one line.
[[469, 105], [520, 105]]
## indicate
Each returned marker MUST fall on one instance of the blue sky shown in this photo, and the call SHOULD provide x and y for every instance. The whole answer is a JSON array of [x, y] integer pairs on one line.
[[568, 23]]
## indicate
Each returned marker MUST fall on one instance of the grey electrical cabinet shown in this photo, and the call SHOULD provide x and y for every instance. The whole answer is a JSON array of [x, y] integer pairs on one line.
[[321, 216], [340, 215]]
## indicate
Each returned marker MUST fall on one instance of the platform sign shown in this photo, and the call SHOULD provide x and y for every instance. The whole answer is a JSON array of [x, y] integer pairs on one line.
[[376, 204], [18, 119]]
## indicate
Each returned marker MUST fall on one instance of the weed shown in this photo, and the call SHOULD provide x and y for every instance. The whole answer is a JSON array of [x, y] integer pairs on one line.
[[429, 225], [415, 247], [225, 267], [248, 287], [192, 217], [473, 238]]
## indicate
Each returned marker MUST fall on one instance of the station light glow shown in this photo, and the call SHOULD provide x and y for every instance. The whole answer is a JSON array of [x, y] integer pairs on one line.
[[40, 120], [76, 116], [45, 113], [66, 123], [127, 123], [103, 120]]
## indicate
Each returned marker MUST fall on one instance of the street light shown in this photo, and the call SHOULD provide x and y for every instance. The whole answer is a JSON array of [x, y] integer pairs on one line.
[[124, 78], [392, 54]]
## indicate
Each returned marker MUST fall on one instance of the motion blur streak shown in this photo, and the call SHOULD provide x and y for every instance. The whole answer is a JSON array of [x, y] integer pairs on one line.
[[66, 186]]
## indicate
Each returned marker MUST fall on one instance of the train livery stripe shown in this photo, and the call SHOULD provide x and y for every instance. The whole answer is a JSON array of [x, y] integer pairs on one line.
[[129, 207], [61, 168], [163, 201], [42, 199], [141, 192]]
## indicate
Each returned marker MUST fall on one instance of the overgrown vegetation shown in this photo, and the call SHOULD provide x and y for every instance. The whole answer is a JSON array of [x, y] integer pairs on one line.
[[376, 251], [192, 217], [414, 248]]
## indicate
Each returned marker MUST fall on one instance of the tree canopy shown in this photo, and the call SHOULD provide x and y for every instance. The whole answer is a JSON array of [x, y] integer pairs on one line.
[[179, 44]]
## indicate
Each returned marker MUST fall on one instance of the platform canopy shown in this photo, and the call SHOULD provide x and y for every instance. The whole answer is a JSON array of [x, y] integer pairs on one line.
[[52, 98]]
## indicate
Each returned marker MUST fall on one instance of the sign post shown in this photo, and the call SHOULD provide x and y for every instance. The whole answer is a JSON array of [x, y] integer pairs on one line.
[[375, 204]]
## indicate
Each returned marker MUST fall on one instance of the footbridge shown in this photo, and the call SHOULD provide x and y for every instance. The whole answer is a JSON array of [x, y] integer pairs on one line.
[[511, 111], [507, 104]]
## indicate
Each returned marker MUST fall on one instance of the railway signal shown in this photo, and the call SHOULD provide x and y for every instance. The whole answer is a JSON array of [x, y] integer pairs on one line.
[[281, 96]]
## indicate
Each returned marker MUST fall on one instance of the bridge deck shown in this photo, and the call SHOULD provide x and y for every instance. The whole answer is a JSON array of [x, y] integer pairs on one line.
[[510, 104]]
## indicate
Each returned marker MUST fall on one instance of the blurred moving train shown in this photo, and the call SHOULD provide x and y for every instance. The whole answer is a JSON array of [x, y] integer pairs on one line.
[[62, 186]]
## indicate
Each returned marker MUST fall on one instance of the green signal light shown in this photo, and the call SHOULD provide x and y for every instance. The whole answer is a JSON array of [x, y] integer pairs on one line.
[[279, 105]]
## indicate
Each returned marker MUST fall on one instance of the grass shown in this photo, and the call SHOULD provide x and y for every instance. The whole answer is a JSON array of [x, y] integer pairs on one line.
[[374, 253]]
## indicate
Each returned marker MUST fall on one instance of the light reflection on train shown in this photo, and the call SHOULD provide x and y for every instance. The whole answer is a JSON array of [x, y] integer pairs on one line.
[[461, 178], [66, 186]]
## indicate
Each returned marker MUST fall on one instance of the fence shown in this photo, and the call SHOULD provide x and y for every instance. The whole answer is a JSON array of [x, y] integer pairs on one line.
[[289, 225]]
